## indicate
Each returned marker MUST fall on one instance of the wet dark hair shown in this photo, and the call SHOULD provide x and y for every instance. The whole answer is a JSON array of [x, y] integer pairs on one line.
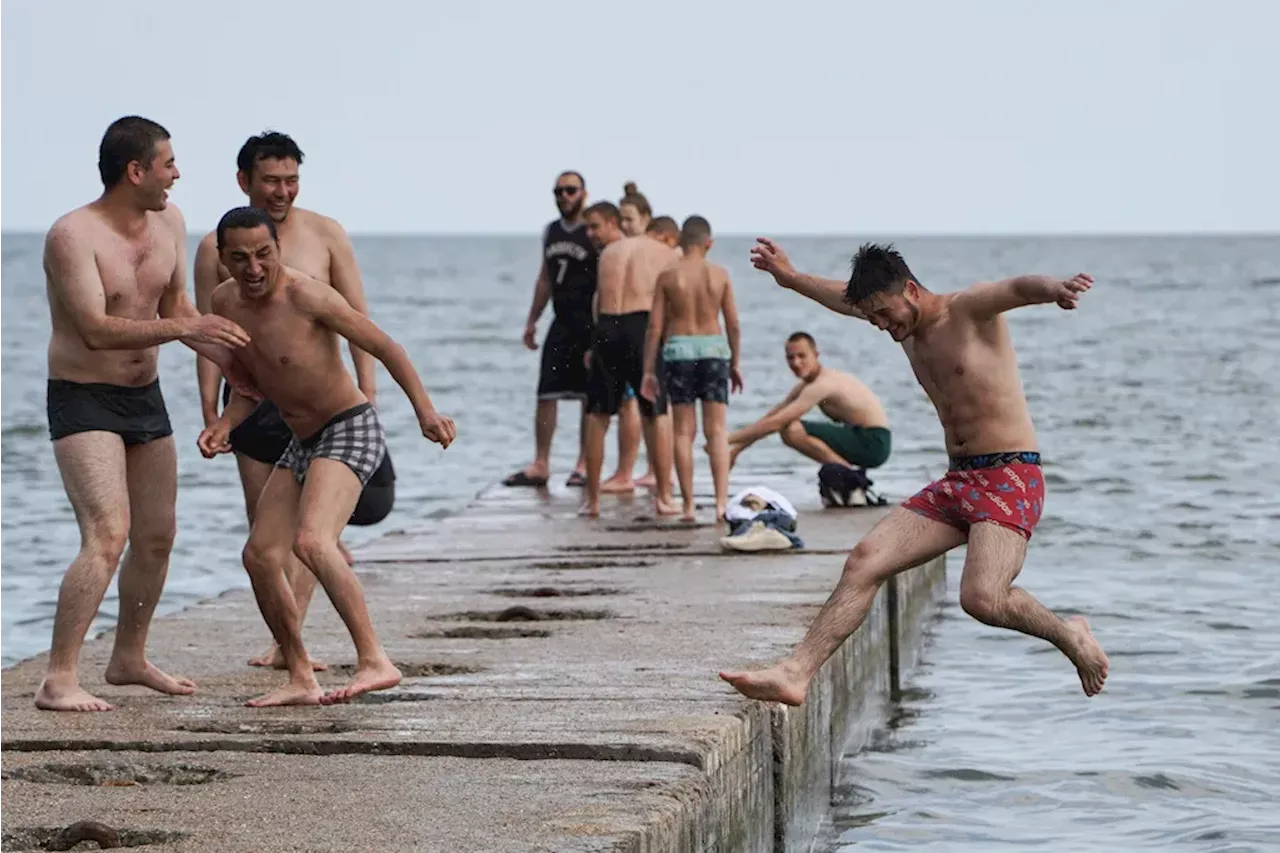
[[607, 209], [695, 231], [803, 336], [633, 197], [126, 140], [570, 172], [663, 225], [877, 269], [268, 145], [244, 217]]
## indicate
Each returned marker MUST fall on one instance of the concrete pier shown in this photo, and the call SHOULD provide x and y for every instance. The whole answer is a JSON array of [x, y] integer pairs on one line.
[[561, 694]]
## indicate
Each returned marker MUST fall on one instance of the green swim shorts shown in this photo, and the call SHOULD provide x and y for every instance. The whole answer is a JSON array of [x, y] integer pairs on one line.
[[863, 447]]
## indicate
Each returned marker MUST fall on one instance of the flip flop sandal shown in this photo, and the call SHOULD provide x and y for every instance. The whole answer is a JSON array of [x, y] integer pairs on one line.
[[577, 478]]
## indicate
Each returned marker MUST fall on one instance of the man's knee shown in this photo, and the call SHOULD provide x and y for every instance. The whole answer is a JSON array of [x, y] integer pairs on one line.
[[104, 538], [982, 601], [155, 541], [312, 546], [866, 565], [792, 434], [262, 558]]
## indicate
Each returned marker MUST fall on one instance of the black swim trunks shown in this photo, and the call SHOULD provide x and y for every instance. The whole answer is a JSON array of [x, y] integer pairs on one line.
[[617, 360], [564, 367], [353, 437], [378, 497], [263, 435], [136, 414]]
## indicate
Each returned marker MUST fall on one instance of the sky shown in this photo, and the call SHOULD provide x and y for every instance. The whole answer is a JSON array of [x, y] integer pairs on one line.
[[838, 117]]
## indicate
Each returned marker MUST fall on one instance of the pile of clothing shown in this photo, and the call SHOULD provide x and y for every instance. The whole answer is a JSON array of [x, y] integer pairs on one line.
[[760, 519]]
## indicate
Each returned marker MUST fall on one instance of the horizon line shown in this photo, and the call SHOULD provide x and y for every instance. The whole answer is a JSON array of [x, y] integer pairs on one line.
[[902, 235]]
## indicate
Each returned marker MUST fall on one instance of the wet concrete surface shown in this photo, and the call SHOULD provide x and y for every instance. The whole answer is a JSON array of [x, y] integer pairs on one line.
[[560, 693]]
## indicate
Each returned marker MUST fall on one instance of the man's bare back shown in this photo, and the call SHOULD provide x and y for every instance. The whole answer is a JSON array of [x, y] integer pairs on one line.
[[296, 362], [694, 290], [628, 273]]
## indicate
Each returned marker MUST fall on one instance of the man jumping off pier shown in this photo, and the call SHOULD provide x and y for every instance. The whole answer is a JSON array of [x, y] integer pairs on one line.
[[960, 348]]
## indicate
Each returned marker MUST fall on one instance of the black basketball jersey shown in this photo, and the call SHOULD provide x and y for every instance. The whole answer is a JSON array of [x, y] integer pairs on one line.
[[571, 265]]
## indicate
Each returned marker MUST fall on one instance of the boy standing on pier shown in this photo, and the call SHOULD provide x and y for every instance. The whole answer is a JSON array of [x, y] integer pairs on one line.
[[700, 359]]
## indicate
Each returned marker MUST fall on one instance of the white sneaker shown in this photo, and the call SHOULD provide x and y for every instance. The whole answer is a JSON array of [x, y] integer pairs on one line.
[[758, 537]]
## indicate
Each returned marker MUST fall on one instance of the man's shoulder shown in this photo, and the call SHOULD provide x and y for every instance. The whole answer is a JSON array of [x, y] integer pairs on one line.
[[324, 226], [74, 226]]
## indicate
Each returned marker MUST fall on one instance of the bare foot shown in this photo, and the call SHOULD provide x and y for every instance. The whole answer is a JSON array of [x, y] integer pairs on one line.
[[590, 511], [648, 481], [688, 514], [378, 676], [777, 684], [720, 514], [149, 676], [346, 553], [274, 658], [661, 507], [57, 695], [294, 693], [617, 485], [1090, 660]]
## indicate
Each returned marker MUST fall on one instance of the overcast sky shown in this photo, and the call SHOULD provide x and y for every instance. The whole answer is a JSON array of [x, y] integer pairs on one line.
[[990, 116]]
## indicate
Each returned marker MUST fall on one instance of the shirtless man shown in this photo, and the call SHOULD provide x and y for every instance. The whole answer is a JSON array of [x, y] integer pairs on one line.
[[337, 444], [267, 171], [628, 273], [960, 349], [702, 360], [115, 272], [665, 230], [859, 436]]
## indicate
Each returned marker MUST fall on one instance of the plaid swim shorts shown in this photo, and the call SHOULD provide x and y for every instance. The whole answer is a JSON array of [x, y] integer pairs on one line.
[[354, 437]]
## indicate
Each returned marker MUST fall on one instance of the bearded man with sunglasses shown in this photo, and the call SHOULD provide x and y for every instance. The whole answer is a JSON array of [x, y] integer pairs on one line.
[[566, 279]]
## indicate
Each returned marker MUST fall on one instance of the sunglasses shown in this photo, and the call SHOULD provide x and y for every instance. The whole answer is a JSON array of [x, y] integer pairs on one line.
[[566, 191]]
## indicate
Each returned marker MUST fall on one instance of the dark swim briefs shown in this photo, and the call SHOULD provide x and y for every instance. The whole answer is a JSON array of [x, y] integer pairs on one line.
[[135, 413], [862, 447], [1002, 488], [263, 435], [617, 360]]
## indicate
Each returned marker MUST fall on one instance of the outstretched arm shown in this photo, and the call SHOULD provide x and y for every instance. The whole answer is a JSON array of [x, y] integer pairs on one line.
[[802, 398], [986, 300], [768, 256], [327, 306], [344, 275]]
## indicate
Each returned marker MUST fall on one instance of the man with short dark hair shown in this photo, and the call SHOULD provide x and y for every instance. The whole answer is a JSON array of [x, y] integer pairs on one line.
[[116, 277], [628, 274], [566, 280], [267, 172], [857, 434], [992, 496], [337, 443]]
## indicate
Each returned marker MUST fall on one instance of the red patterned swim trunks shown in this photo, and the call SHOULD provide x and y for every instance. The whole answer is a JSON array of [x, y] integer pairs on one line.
[[1003, 488]]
